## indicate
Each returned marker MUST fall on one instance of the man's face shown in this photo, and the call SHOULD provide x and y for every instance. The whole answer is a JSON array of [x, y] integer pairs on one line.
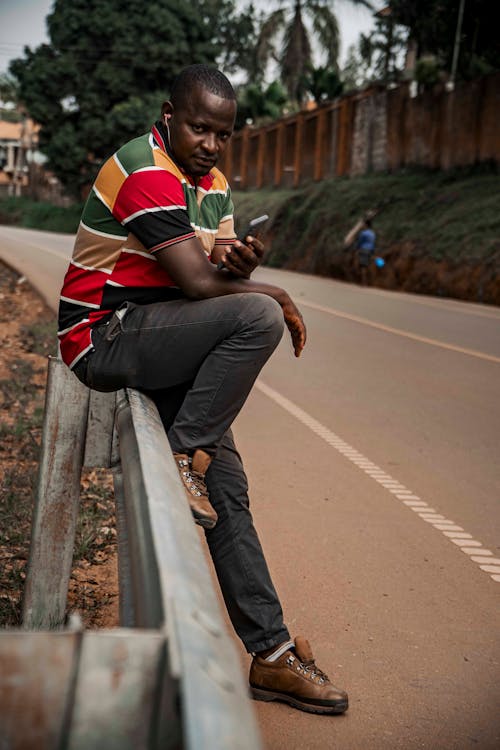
[[200, 129]]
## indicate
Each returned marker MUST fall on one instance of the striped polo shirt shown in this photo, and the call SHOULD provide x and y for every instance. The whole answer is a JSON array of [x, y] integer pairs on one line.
[[141, 202]]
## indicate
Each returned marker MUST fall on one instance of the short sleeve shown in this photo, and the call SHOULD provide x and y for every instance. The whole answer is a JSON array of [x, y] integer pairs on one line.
[[151, 205]]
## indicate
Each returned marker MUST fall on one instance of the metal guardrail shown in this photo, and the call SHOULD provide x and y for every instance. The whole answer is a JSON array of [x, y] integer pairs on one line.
[[170, 676]]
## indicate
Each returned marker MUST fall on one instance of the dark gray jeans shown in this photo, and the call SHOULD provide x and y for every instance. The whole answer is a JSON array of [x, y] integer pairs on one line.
[[199, 361]]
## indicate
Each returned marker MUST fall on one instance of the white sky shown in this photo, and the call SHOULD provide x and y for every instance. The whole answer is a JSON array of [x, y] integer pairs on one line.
[[22, 22]]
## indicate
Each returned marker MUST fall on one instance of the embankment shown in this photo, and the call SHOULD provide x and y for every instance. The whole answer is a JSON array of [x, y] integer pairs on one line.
[[439, 233]]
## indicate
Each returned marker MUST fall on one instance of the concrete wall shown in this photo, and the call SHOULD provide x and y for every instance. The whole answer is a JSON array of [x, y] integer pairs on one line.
[[372, 131], [369, 138]]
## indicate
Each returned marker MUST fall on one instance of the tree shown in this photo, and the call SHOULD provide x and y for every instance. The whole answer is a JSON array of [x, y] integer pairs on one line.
[[9, 98], [354, 73], [285, 36], [260, 105], [323, 84], [238, 33], [432, 26], [106, 70], [383, 49]]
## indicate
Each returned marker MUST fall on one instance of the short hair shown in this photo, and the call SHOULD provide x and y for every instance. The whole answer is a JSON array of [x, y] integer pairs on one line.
[[368, 223], [204, 76]]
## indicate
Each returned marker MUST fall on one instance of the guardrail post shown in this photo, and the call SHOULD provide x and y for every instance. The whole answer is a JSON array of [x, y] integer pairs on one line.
[[37, 681], [56, 507], [117, 690]]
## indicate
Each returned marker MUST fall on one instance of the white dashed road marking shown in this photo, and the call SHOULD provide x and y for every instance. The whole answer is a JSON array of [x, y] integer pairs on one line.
[[456, 534]]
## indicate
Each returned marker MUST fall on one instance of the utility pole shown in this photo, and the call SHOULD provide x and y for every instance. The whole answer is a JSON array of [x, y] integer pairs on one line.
[[456, 46]]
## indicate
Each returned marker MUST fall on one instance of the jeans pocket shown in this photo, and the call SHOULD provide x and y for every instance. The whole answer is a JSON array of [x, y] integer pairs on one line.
[[114, 327], [108, 366]]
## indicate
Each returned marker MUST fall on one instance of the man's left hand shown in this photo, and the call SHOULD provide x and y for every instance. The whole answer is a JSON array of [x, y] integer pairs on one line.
[[242, 259]]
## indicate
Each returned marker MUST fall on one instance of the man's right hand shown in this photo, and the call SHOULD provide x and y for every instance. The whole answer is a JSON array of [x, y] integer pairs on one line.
[[295, 324], [242, 258]]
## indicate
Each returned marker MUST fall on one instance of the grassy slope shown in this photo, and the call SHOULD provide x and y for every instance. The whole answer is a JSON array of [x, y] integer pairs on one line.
[[444, 215]]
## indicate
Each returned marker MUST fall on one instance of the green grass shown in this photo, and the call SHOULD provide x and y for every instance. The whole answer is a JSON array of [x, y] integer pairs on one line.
[[443, 215], [269, 202], [30, 214]]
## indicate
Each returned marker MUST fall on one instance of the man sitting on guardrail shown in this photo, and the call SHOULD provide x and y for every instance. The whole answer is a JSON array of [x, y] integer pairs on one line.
[[158, 297]]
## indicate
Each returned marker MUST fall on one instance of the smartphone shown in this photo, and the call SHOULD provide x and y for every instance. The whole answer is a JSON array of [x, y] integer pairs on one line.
[[254, 228]]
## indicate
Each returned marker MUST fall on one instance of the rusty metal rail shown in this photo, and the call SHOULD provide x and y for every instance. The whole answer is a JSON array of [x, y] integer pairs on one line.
[[169, 677]]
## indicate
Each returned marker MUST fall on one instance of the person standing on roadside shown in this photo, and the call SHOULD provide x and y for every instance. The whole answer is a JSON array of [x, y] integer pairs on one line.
[[362, 239], [144, 305], [365, 246]]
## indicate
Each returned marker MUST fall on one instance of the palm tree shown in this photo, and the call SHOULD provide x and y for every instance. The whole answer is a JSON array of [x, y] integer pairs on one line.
[[288, 25]]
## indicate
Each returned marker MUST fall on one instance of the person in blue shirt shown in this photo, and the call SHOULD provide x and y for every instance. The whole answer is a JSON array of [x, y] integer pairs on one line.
[[365, 246]]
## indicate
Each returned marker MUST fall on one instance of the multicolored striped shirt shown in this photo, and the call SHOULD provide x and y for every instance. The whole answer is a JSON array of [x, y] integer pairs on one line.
[[141, 202]]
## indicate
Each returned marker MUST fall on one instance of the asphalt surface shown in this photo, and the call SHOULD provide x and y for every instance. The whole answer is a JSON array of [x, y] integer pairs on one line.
[[374, 473]]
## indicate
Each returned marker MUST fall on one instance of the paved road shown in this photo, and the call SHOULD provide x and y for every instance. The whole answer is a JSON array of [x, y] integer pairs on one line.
[[375, 483]]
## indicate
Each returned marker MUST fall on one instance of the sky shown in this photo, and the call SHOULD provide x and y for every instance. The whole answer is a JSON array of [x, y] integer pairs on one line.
[[22, 22]]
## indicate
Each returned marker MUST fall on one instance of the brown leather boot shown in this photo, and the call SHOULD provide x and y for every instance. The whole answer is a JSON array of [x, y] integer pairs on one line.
[[192, 471], [295, 679]]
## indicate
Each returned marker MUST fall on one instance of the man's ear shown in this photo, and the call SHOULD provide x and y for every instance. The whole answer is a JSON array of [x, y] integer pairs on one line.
[[166, 111]]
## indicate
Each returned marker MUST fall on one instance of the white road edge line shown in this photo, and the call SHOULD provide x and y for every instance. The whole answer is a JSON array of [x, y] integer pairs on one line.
[[446, 527], [399, 332], [447, 304]]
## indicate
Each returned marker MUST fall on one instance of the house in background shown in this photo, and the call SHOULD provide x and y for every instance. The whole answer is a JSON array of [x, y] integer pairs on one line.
[[22, 170], [18, 150]]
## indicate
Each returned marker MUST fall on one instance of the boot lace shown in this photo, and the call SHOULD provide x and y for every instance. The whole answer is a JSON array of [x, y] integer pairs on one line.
[[309, 669], [193, 480]]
